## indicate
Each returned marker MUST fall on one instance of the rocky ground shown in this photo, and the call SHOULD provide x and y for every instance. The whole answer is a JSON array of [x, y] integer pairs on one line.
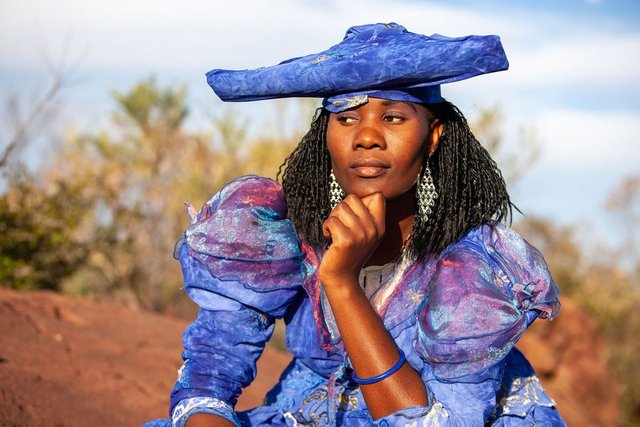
[[66, 361]]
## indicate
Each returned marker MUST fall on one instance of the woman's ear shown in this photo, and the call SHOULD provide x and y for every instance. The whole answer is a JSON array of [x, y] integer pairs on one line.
[[434, 137]]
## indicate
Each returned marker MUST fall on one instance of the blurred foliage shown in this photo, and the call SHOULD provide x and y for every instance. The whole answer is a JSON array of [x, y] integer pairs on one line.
[[37, 224], [606, 288], [515, 159], [602, 280], [101, 217], [624, 205], [21, 120]]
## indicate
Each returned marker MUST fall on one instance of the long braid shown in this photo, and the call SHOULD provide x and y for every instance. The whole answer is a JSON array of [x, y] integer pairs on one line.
[[470, 186], [305, 181]]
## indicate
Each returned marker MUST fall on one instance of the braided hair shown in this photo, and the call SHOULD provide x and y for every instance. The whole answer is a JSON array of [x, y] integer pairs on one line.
[[471, 189]]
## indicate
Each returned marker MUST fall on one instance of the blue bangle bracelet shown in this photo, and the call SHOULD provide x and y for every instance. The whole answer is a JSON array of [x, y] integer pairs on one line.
[[383, 375]]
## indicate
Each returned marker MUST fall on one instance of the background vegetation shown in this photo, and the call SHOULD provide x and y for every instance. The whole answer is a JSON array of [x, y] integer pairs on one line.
[[100, 216]]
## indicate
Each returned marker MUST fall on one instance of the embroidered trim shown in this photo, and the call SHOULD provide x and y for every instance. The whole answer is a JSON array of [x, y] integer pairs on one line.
[[187, 405], [292, 418], [319, 408], [347, 102], [524, 392], [435, 414]]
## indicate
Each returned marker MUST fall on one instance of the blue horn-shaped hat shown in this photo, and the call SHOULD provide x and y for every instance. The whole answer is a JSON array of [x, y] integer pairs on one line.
[[378, 60]]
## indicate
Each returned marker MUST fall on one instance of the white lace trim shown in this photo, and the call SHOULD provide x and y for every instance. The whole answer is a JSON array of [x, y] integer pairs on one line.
[[187, 405], [523, 393], [432, 418], [436, 414], [289, 415]]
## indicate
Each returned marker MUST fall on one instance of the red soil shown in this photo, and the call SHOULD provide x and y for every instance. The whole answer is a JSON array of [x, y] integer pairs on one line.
[[66, 361]]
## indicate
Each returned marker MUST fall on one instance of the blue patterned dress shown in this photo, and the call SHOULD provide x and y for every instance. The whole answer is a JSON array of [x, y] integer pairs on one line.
[[457, 316]]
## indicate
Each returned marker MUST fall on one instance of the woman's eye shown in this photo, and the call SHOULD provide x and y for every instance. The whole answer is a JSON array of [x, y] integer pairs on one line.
[[393, 118], [347, 120]]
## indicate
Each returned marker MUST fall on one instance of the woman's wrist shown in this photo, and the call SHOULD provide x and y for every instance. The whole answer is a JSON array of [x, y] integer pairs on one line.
[[344, 283], [386, 374]]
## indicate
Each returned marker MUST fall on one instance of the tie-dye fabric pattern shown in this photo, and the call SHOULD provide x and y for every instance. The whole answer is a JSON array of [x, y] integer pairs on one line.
[[456, 316]]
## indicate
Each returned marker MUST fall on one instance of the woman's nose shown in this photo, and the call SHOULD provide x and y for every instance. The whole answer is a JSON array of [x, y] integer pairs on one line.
[[368, 136]]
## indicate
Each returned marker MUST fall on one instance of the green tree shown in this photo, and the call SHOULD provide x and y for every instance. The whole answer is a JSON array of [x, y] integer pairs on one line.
[[38, 226], [106, 210], [135, 178]]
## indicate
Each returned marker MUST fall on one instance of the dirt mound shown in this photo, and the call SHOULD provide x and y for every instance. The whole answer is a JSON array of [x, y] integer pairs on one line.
[[568, 355], [71, 362]]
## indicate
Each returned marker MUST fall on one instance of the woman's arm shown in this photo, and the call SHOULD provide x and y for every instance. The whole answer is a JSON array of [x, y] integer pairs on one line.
[[356, 227], [241, 284]]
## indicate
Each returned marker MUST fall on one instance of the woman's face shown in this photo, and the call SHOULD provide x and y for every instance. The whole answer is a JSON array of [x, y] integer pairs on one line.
[[380, 146]]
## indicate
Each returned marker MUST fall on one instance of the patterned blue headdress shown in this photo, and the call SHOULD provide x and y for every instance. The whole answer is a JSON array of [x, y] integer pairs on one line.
[[378, 60]]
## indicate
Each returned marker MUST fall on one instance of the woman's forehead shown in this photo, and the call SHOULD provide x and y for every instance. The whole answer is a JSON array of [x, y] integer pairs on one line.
[[424, 95], [386, 103]]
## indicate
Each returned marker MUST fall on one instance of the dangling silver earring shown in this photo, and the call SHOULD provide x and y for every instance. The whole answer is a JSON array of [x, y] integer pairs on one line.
[[336, 193], [426, 194]]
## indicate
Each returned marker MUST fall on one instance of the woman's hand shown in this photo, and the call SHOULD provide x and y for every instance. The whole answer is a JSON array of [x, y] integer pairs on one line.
[[356, 227]]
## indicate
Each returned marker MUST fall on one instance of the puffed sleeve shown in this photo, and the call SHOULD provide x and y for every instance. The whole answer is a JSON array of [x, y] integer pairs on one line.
[[486, 290], [242, 265]]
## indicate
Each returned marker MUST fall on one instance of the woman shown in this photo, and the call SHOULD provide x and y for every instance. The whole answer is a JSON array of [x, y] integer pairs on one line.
[[402, 293]]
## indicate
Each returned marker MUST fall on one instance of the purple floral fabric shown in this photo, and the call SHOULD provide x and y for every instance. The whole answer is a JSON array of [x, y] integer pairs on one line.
[[485, 291], [456, 316], [249, 246]]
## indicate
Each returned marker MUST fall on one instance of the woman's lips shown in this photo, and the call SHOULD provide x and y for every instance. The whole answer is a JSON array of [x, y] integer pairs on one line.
[[369, 168]]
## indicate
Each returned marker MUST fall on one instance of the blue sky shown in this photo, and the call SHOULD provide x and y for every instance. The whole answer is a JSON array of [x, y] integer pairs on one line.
[[574, 75]]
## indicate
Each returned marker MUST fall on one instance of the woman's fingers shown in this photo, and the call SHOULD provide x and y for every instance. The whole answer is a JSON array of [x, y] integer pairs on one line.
[[355, 229], [362, 217], [347, 228], [377, 207], [334, 228]]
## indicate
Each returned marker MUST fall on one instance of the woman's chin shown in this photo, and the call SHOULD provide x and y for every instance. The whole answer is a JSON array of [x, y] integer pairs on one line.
[[367, 190], [388, 193]]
